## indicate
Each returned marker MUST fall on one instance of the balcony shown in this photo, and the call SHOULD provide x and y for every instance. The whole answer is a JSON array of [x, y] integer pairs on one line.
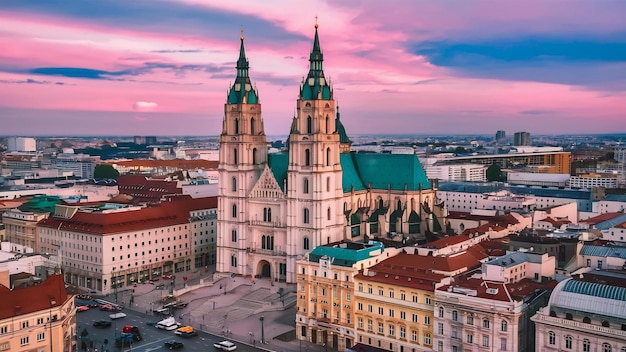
[[274, 224], [269, 252]]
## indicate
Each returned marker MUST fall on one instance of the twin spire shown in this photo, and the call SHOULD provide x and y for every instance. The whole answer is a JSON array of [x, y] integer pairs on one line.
[[242, 91]]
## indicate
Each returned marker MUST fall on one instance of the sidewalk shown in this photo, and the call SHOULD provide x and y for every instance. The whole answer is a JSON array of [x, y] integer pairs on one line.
[[230, 307]]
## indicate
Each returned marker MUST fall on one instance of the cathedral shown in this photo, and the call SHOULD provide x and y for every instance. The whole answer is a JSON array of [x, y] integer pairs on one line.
[[273, 208]]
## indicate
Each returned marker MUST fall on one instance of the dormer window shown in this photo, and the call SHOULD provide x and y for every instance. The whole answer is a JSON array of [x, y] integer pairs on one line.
[[237, 87], [311, 81]]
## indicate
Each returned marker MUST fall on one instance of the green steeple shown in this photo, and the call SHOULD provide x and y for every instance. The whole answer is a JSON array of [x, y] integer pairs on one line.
[[343, 136], [315, 86], [242, 91]]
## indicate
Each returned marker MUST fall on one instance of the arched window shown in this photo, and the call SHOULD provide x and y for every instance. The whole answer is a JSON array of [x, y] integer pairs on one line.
[[309, 125], [306, 243], [569, 316], [263, 242], [233, 260], [587, 320], [264, 214], [306, 215], [236, 126], [254, 152], [328, 216], [327, 156], [440, 312], [305, 186], [605, 323], [269, 214], [586, 345], [234, 210], [504, 325], [380, 203], [327, 125], [234, 183], [399, 205], [307, 157], [551, 338], [486, 323], [568, 342], [606, 347], [235, 156], [233, 236], [252, 126]]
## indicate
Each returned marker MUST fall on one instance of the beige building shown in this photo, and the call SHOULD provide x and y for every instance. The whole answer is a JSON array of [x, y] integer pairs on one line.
[[21, 222], [325, 288], [38, 318], [105, 246]]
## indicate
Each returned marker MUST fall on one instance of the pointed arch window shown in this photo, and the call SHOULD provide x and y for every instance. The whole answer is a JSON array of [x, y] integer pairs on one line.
[[233, 260], [254, 153], [234, 214], [306, 215], [305, 186], [236, 126], [233, 236], [234, 183], [328, 213], [327, 125], [235, 156], [252, 127], [267, 214], [380, 203], [306, 244], [307, 157], [309, 125], [327, 156]]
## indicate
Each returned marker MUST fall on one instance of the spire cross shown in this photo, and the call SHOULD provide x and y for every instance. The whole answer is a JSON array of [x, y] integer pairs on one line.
[[242, 33], [315, 21]]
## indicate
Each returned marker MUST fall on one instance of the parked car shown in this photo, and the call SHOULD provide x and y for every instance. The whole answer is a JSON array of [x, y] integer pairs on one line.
[[102, 324], [110, 308], [82, 308], [167, 277], [173, 345], [225, 346]]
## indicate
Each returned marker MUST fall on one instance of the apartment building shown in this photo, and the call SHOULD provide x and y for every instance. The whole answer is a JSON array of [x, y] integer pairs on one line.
[[38, 318], [21, 222], [109, 245], [586, 312], [325, 284], [490, 309]]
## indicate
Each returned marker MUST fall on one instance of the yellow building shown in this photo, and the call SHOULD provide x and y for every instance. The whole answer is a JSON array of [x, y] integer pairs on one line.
[[325, 284], [38, 318]]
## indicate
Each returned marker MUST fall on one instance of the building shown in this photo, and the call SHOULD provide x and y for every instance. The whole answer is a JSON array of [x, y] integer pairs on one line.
[[586, 312], [500, 136], [275, 207], [325, 305], [21, 222], [38, 318], [593, 180], [21, 144], [105, 246], [521, 138], [460, 172], [80, 165], [536, 159], [490, 310]]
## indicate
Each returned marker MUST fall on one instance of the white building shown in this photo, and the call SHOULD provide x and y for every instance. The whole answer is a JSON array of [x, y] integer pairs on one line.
[[275, 207], [458, 172], [21, 144], [586, 312], [491, 310], [500, 200], [590, 181]]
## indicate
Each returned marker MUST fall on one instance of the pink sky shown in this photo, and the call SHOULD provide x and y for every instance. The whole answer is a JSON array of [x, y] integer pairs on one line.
[[405, 66]]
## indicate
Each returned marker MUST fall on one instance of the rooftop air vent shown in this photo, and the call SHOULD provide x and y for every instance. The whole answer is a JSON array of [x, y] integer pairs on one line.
[[492, 291]]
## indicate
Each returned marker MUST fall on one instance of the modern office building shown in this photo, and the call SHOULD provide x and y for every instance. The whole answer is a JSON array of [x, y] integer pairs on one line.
[[275, 207], [21, 144], [500, 136], [521, 138]]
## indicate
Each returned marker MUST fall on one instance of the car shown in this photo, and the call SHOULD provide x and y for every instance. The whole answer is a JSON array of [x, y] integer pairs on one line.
[[186, 331], [102, 324], [82, 308], [117, 316], [110, 308], [225, 346], [167, 277], [174, 345]]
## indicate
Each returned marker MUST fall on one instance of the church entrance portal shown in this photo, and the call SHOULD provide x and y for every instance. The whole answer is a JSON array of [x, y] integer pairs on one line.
[[264, 269]]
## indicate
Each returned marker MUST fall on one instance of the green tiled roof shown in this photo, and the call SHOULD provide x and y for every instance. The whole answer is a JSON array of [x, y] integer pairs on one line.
[[350, 177], [343, 136], [279, 163], [390, 170], [315, 85], [40, 204], [348, 256], [242, 91]]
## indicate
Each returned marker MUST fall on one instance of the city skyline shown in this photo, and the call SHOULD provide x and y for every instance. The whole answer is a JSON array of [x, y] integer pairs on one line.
[[164, 67]]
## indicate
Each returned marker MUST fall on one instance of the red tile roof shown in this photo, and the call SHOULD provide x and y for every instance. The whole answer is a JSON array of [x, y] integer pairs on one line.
[[33, 298], [600, 218], [499, 220], [405, 276], [505, 292], [169, 213], [448, 241]]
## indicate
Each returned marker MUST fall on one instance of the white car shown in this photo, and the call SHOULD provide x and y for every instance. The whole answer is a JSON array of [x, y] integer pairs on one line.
[[117, 316], [225, 346]]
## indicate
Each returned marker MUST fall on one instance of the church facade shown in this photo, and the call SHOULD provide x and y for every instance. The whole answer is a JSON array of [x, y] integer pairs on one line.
[[273, 208]]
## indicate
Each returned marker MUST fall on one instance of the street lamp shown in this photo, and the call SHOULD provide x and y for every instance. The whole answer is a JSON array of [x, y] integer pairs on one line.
[[262, 318]]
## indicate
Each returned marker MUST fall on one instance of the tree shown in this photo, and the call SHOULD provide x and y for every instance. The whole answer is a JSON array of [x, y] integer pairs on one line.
[[105, 171], [494, 173]]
